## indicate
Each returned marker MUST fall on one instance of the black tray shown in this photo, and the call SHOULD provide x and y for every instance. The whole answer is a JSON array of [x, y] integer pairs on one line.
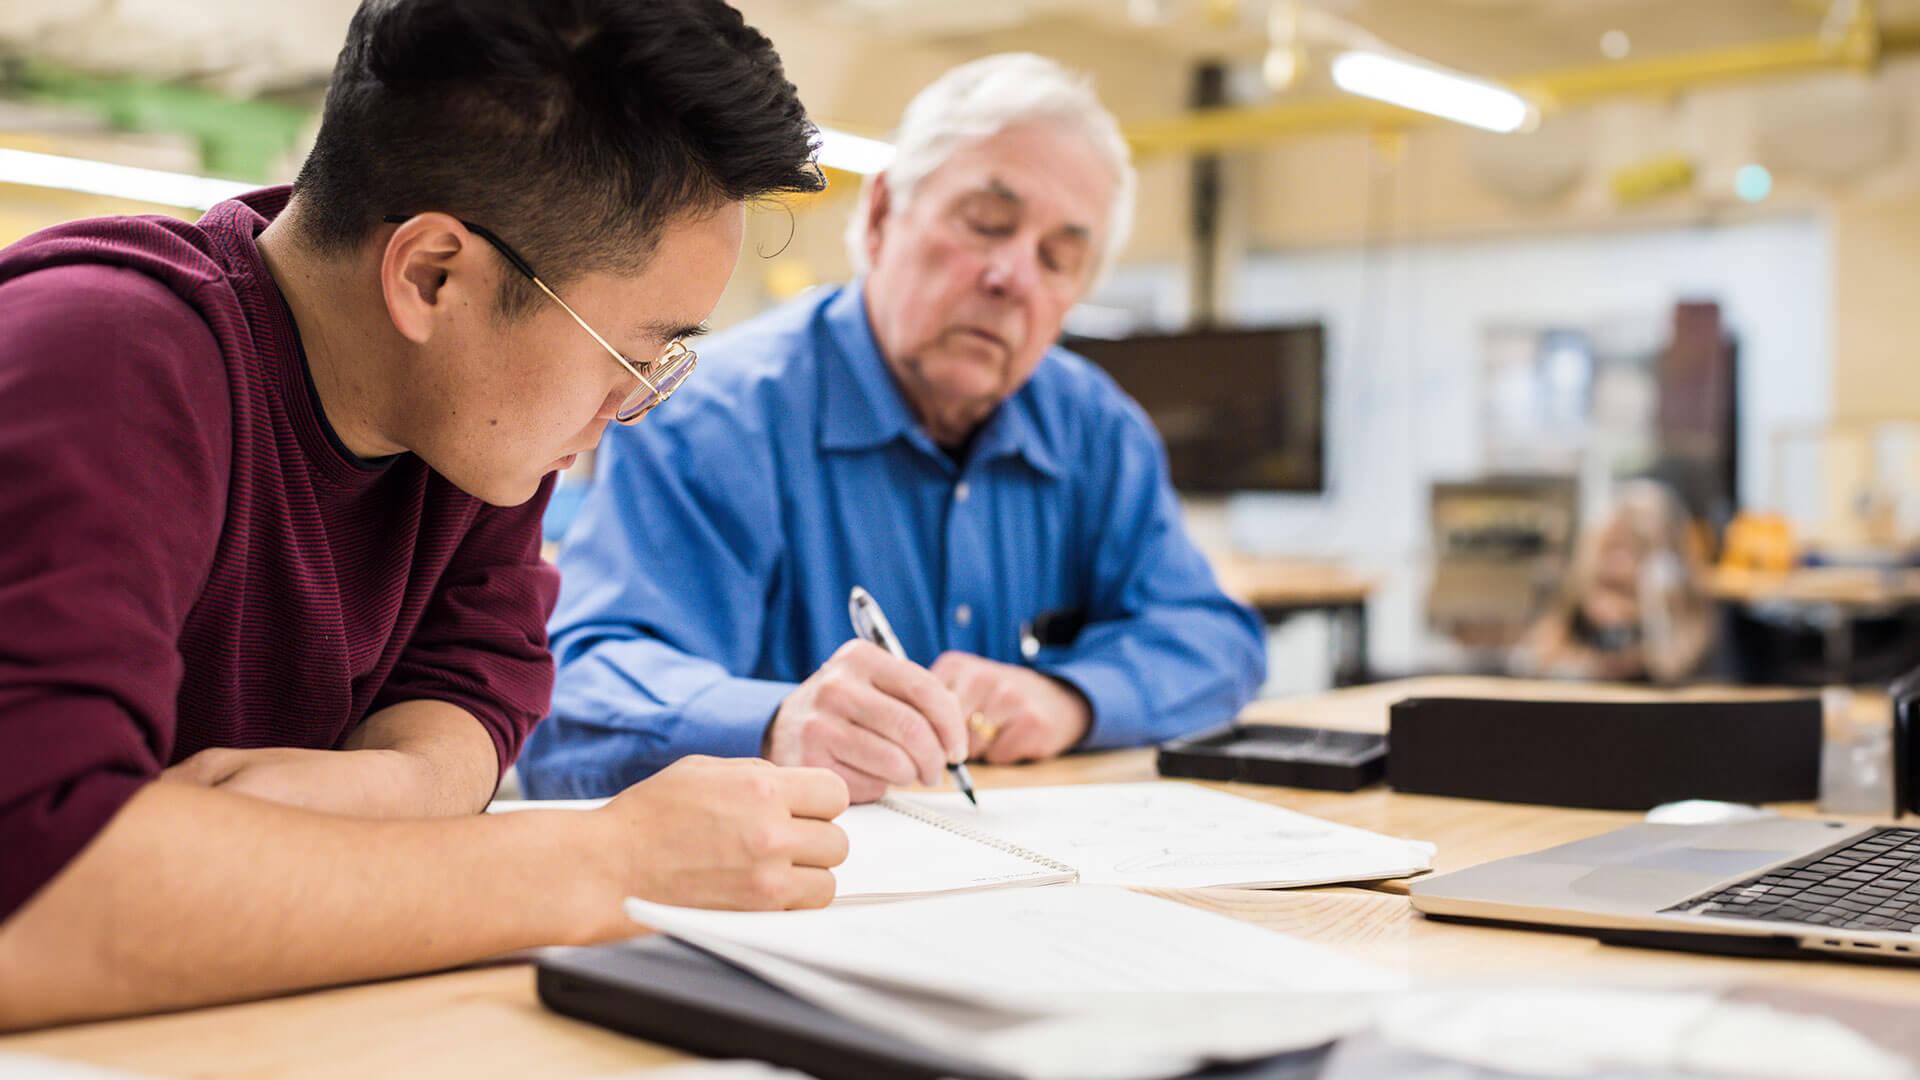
[[1305, 757]]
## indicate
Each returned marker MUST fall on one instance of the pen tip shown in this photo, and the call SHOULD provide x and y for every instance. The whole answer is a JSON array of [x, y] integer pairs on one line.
[[963, 781]]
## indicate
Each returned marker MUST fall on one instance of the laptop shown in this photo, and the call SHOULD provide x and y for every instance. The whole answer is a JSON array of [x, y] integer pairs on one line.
[[1765, 887]]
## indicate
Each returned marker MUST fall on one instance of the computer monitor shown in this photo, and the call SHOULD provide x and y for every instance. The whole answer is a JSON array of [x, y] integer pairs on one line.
[[1239, 409]]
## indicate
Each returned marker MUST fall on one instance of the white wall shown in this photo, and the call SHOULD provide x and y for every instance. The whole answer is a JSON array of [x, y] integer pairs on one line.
[[1405, 331]]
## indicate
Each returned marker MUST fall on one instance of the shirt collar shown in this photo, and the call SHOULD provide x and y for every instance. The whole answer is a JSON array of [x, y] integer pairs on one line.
[[865, 409]]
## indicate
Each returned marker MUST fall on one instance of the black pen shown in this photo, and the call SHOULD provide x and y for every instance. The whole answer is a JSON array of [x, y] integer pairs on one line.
[[871, 624]]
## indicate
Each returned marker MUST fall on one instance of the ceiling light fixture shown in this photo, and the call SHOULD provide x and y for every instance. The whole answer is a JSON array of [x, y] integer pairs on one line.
[[1282, 65], [119, 181], [1432, 90], [1147, 12], [853, 153]]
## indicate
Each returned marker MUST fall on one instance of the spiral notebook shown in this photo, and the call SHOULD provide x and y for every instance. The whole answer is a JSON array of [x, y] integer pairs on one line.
[[896, 849], [1154, 835]]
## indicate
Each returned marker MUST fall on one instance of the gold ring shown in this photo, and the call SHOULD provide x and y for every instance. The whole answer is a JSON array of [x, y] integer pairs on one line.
[[979, 725]]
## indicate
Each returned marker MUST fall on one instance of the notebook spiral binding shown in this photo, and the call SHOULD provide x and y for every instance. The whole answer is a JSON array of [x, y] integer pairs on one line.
[[922, 814]]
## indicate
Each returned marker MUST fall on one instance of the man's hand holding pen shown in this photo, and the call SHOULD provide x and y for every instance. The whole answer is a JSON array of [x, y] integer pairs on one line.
[[876, 719]]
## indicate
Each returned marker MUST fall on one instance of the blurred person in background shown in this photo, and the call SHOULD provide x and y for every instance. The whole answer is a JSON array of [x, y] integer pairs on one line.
[[918, 433], [1633, 607]]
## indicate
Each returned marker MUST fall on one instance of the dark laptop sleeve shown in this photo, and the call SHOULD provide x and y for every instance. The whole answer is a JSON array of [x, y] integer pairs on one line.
[[670, 993]]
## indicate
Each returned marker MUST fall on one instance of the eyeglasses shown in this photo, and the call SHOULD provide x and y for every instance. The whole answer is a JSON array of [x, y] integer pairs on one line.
[[658, 380]]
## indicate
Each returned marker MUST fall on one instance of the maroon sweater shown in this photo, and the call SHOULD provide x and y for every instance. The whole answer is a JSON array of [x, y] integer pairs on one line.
[[190, 558]]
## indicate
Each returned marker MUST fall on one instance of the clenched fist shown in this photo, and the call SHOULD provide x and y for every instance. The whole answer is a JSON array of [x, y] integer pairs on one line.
[[713, 833], [1013, 713]]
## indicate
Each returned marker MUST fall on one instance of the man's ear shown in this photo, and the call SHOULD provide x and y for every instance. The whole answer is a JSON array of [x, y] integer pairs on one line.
[[878, 205], [429, 260]]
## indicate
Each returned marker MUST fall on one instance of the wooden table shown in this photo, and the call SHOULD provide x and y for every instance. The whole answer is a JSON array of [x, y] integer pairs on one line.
[[1852, 587], [1825, 598], [487, 1022], [1279, 589]]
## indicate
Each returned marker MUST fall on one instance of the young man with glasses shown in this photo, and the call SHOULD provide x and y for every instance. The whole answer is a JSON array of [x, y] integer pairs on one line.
[[272, 596], [916, 433]]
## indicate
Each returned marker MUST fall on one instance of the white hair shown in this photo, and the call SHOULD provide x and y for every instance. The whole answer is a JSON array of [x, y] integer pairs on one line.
[[982, 98]]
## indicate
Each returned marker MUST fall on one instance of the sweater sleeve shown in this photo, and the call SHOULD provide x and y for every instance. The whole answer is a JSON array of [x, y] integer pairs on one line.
[[483, 642], [115, 451]]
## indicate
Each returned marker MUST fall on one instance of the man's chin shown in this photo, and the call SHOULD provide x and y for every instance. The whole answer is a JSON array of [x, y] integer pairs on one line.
[[966, 379], [503, 492]]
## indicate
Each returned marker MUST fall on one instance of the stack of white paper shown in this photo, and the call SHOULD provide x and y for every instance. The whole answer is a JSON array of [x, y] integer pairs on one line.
[[1558, 1030], [1086, 982]]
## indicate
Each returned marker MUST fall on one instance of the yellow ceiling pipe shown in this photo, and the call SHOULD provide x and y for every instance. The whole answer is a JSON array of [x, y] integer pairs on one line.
[[1224, 129], [1665, 174], [1671, 74], [1858, 46]]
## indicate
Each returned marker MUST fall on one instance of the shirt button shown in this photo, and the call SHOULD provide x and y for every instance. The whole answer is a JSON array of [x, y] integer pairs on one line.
[[961, 491], [963, 615]]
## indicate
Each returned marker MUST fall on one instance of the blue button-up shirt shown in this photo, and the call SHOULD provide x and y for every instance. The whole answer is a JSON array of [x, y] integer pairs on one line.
[[707, 572]]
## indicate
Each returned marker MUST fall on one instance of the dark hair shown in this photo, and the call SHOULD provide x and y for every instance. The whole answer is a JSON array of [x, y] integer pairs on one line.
[[577, 129]]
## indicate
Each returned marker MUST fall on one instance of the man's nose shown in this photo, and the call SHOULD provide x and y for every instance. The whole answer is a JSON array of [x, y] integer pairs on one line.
[[610, 405], [1012, 270]]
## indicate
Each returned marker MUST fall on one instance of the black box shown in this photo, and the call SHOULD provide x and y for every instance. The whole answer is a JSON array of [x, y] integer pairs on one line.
[[1607, 755], [1905, 693]]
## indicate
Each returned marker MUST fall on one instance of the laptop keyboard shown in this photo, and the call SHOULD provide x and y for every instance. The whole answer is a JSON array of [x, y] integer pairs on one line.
[[1872, 884]]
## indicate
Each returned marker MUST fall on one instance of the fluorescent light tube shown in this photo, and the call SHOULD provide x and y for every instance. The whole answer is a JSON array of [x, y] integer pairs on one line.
[[119, 181], [838, 150], [1431, 90], [853, 153]]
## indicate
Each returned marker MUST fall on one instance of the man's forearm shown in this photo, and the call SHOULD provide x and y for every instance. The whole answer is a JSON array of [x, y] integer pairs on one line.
[[453, 766], [417, 759], [1163, 673], [193, 896]]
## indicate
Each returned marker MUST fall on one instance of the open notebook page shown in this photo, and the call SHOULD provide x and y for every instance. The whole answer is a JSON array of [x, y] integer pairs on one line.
[[895, 850], [1179, 836]]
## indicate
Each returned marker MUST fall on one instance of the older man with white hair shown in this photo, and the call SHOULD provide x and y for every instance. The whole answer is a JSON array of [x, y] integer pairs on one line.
[[915, 432]]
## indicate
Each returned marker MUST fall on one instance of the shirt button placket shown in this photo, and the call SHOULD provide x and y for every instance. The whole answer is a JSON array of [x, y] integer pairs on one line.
[[963, 567]]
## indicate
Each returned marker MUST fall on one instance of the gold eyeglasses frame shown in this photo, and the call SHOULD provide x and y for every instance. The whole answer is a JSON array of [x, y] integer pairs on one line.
[[670, 369]]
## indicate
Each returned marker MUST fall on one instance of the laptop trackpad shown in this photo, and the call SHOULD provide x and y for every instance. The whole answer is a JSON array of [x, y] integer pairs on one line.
[[1669, 875], [1713, 862]]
